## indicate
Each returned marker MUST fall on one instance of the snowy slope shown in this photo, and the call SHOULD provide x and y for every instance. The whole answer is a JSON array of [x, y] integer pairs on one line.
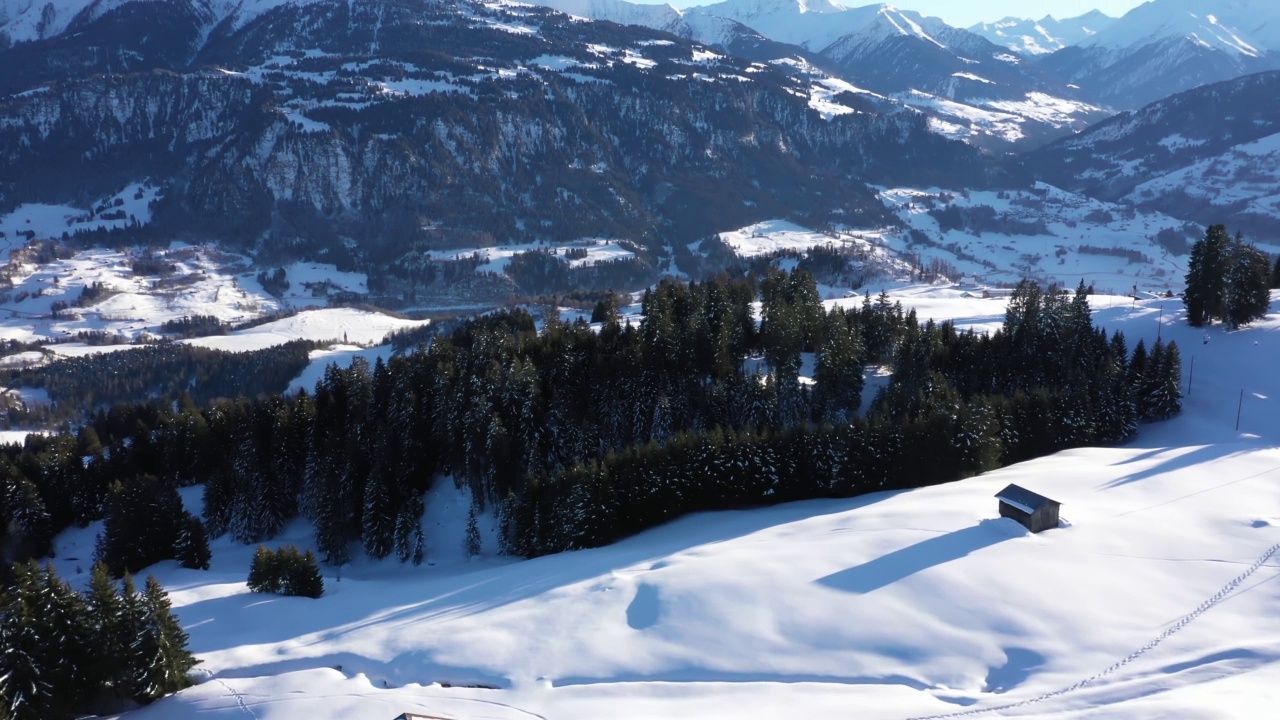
[[1038, 37], [1243, 27], [1164, 47], [29, 20], [816, 25], [1245, 179], [659, 17], [1154, 600]]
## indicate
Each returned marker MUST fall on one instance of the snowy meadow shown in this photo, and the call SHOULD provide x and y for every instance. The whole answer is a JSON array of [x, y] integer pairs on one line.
[[1152, 600]]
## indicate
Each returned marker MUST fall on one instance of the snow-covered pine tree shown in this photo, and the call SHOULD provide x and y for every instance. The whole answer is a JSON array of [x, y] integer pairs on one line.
[[1205, 279], [166, 671], [471, 545], [1166, 390], [191, 547], [105, 614], [378, 519], [26, 690], [139, 645], [1247, 293]]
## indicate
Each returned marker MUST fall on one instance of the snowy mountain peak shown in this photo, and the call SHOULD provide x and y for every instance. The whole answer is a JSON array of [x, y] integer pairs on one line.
[[1248, 28], [816, 24], [661, 17], [1046, 35]]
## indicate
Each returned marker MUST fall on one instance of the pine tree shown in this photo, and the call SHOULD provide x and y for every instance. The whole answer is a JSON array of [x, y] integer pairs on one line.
[[139, 645], [1206, 277], [64, 625], [168, 668], [141, 526], [191, 547], [378, 523], [472, 543], [1166, 393], [105, 613], [264, 571], [1247, 295], [26, 692], [307, 581]]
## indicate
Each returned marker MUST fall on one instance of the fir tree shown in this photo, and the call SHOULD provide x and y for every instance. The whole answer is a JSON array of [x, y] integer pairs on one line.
[[1205, 279], [141, 526], [471, 546], [26, 692], [1247, 285], [106, 623], [191, 547], [166, 670], [377, 525], [264, 571]]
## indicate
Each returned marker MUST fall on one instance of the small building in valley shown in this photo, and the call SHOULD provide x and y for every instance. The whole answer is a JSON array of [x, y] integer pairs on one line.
[[1033, 510]]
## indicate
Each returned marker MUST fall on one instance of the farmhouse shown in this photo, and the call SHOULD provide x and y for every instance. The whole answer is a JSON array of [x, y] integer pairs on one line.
[[1033, 510]]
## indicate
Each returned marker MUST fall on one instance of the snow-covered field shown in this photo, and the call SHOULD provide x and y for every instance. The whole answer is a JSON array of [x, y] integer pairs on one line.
[[1155, 599], [495, 259], [1112, 247]]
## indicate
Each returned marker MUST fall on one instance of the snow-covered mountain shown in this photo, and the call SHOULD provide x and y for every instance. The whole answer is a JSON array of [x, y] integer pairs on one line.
[[1210, 154], [971, 89], [1166, 46], [519, 123], [1046, 35]]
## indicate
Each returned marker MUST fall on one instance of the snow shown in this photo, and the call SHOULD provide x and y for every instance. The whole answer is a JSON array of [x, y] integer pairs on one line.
[[346, 325], [1246, 177], [816, 25], [15, 437], [1073, 223], [495, 259], [53, 221], [1154, 598], [341, 355], [1239, 27], [773, 235]]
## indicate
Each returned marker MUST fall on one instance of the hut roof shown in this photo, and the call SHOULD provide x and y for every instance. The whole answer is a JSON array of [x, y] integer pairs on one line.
[[1024, 499]]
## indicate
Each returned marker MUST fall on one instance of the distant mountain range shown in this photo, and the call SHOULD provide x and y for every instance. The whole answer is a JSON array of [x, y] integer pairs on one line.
[[1043, 36], [379, 136], [1211, 154]]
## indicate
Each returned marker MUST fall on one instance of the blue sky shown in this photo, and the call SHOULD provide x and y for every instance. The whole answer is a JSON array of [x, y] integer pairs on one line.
[[963, 13]]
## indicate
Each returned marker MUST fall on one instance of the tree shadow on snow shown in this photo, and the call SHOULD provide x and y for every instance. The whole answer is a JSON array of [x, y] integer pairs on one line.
[[934, 551], [1176, 461], [426, 594]]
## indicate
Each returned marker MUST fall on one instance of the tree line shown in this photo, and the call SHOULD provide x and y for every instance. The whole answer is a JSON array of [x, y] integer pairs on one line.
[[613, 426]]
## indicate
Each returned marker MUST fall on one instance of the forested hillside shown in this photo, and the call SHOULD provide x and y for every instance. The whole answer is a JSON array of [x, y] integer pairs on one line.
[[580, 436]]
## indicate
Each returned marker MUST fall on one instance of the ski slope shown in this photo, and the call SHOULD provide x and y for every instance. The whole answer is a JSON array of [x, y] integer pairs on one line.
[[1155, 599]]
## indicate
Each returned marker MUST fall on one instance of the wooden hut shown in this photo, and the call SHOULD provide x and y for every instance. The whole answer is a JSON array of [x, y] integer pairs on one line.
[[1033, 510]]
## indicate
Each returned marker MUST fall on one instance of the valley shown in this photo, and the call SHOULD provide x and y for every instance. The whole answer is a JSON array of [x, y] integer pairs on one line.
[[623, 360]]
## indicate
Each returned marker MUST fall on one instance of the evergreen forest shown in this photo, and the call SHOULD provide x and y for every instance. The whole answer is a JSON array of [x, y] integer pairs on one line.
[[580, 435]]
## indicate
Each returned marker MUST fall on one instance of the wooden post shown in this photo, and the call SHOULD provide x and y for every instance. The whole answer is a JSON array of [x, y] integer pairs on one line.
[[1239, 407], [1191, 375]]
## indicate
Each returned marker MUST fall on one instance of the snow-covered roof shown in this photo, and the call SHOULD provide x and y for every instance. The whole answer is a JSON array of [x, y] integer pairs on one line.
[[1023, 499]]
